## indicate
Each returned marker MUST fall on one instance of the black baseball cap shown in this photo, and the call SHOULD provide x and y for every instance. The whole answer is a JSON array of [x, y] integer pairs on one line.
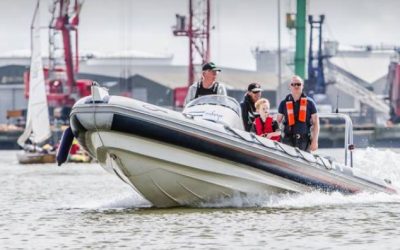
[[210, 66], [254, 87]]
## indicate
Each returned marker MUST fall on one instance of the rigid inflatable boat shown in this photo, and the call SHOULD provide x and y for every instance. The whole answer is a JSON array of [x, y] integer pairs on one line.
[[202, 154]]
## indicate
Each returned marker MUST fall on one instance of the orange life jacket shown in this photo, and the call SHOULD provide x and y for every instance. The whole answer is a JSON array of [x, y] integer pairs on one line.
[[302, 111], [265, 127]]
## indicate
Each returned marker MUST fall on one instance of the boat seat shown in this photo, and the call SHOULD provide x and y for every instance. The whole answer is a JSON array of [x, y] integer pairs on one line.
[[306, 156], [242, 134], [287, 149], [330, 158], [265, 142], [324, 161]]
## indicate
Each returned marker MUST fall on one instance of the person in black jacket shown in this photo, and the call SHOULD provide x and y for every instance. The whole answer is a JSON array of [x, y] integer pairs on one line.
[[252, 95]]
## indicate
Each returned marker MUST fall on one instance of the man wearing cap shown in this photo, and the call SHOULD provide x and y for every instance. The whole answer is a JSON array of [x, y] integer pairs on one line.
[[301, 123], [252, 95], [207, 85]]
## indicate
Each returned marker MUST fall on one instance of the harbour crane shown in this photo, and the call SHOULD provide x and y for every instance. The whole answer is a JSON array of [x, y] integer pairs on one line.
[[197, 28], [316, 77], [63, 89]]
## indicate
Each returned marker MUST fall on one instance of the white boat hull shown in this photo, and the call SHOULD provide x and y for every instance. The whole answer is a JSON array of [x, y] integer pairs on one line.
[[172, 176]]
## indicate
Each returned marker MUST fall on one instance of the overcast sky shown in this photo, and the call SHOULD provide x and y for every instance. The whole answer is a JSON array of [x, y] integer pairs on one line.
[[240, 26]]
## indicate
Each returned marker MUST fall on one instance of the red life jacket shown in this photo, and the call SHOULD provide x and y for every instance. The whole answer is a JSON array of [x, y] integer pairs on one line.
[[302, 111], [265, 127]]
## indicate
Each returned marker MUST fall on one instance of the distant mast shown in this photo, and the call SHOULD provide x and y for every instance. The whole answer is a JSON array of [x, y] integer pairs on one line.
[[37, 127]]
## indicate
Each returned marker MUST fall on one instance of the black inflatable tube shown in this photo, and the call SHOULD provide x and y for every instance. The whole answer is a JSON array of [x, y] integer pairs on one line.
[[65, 146]]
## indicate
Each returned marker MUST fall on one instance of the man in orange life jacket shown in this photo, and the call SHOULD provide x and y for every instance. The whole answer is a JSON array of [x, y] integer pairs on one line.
[[301, 123], [207, 85]]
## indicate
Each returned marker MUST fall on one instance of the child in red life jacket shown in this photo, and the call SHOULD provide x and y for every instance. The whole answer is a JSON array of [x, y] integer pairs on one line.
[[264, 125]]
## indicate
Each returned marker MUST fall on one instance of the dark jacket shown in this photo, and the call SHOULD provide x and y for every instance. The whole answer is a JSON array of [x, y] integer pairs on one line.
[[193, 89], [248, 112]]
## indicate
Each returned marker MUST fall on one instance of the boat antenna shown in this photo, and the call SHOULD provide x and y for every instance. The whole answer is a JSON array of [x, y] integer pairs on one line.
[[337, 103]]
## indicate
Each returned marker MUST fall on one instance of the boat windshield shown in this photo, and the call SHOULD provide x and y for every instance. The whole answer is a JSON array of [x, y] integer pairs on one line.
[[220, 100]]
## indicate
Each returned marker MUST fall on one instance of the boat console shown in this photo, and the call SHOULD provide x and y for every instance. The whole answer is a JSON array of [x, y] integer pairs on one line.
[[216, 108]]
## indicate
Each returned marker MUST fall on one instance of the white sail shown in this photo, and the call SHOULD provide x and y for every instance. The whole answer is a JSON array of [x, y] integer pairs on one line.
[[37, 120]]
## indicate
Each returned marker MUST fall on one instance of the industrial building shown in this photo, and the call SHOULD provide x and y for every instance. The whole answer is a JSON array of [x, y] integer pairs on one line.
[[144, 77]]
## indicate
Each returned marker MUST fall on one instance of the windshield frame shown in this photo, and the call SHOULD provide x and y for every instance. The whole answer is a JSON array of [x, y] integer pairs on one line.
[[221, 100]]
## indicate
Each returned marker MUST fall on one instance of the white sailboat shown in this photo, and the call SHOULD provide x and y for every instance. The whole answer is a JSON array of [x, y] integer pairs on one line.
[[37, 128]]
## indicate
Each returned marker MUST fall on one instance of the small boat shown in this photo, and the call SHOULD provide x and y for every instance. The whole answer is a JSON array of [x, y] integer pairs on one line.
[[36, 155], [36, 158], [37, 129], [203, 154]]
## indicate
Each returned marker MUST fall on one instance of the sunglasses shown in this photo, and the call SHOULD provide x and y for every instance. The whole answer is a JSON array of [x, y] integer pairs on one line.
[[297, 84]]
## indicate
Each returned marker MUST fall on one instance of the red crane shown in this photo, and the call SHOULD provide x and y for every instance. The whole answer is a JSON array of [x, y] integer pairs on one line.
[[197, 29], [62, 87]]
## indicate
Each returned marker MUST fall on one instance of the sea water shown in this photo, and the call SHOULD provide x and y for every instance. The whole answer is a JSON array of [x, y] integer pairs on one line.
[[80, 206]]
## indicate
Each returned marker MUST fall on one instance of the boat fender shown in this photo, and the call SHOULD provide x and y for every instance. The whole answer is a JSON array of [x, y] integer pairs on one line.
[[65, 146]]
